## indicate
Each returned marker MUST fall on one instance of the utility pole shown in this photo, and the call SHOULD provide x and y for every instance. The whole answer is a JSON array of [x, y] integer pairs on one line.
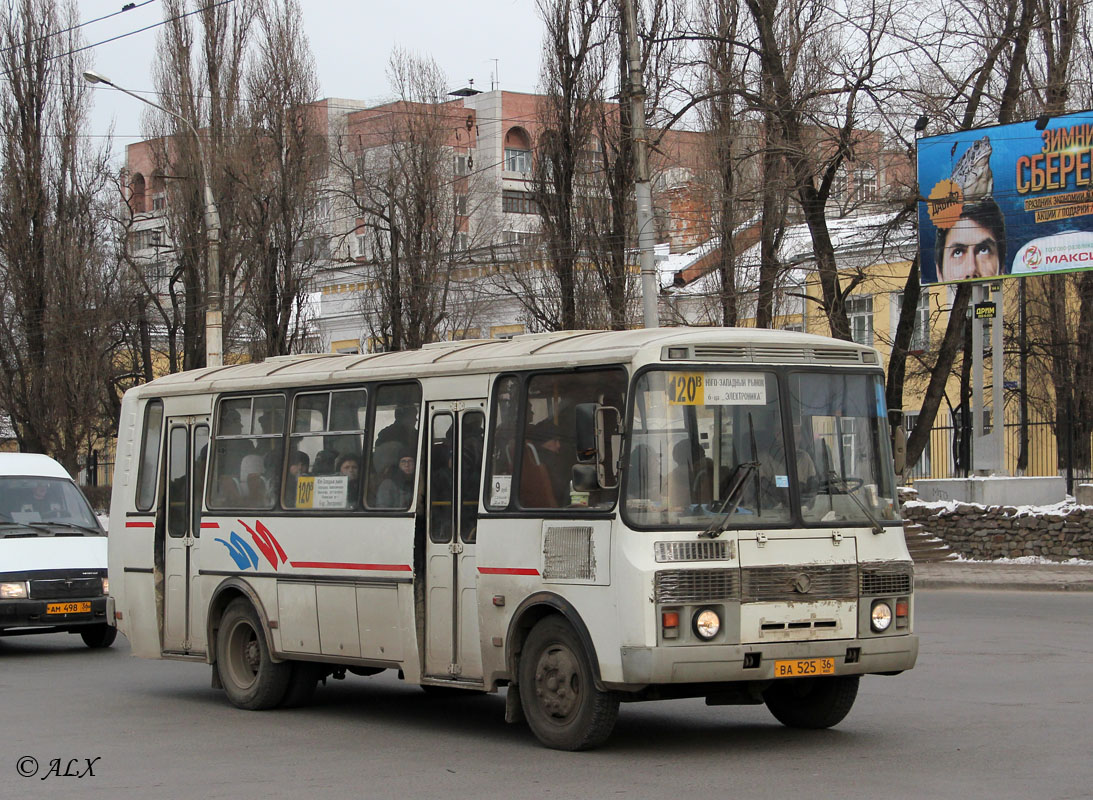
[[214, 316], [643, 194]]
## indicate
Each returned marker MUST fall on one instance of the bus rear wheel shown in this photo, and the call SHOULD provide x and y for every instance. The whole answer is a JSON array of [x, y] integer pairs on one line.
[[564, 709], [812, 702], [249, 676]]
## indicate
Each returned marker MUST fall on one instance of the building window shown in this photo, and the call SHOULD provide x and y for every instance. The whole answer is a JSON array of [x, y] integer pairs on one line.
[[362, 246], [517, 203], [517, 237], [867, 185], [920, 334], [462, 241], [159, 202], [859, 310], [517, 160], [461, 205], [459, 165]]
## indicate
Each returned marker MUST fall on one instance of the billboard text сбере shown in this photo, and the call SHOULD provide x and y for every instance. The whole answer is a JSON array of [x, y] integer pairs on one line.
[[1007, 200]]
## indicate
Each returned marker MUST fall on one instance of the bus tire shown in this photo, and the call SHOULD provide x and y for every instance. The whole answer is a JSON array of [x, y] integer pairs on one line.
[[97, 636], [812, 702], [564, 709], [302, 682], [249, 676]]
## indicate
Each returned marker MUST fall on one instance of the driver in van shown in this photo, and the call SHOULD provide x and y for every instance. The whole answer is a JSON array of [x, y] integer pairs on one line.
[[41, 501]]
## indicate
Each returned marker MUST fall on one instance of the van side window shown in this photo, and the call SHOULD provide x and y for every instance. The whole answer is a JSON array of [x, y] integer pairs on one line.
[[149, 455], [326, 443], [247, 452]]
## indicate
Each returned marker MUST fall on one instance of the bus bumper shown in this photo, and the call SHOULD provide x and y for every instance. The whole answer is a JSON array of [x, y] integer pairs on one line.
[[642, 666]]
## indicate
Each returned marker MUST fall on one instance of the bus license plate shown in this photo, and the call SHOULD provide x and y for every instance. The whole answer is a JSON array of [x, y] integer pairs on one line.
[[68, 608], [804, 667]]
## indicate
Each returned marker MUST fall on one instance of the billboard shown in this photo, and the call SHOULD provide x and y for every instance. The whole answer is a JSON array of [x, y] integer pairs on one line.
[[1007, 200]]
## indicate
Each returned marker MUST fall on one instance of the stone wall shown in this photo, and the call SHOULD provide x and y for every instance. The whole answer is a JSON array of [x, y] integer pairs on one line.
[[979, 532]]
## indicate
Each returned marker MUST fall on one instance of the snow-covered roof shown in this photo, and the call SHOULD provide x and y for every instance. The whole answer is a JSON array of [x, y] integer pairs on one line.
[[873, 234]]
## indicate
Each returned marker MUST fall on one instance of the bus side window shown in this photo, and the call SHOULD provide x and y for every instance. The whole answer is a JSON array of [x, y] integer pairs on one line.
[[149, 455], [503, 442], [549, 449], [392, 465], [247, 452]]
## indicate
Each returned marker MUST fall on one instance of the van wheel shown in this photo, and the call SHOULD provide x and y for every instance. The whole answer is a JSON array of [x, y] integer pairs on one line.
[[563, 707], [96, 636], [812, 702], [250, 677]]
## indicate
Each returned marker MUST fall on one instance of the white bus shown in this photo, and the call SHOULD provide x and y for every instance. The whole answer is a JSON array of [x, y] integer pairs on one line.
[[585, 518]]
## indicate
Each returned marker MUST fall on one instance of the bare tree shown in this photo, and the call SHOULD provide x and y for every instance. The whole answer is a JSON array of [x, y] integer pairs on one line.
[[971, 68], [200, 80], [414, 213], [278, 182], [574, 66], [57, 283]]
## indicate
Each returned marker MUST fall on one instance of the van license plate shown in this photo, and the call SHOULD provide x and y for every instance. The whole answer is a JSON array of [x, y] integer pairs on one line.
[[804, 667], [68, 608]]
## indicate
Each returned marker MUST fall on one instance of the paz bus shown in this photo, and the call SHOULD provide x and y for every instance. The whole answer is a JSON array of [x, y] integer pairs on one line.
[[583, 518]]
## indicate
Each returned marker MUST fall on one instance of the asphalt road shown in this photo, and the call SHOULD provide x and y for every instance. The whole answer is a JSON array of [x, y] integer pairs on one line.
[[997, 708]]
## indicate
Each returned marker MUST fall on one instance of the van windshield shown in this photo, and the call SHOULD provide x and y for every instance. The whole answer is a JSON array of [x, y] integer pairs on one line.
[[46, 504]]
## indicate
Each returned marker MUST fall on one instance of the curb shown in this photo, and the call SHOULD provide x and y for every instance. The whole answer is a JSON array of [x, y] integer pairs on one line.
[[1003, 586]]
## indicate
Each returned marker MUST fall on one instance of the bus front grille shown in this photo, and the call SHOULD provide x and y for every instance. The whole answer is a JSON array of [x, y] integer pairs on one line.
[[886, 579], [799, 582], [696, 585], [695, 550]]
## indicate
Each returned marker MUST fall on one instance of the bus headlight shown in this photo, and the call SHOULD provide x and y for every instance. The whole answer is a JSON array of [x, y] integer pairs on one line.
[[106, 586], [13, 591], [707, 623], [881, 616]]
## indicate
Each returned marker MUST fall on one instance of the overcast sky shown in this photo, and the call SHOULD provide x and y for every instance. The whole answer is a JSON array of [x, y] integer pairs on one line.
[[351, 42]]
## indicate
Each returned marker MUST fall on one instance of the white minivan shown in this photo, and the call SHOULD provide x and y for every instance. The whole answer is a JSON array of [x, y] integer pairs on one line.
[[52, 554]]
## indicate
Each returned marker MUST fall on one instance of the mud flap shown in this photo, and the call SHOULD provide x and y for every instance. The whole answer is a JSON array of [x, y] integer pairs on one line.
[[514, 710]]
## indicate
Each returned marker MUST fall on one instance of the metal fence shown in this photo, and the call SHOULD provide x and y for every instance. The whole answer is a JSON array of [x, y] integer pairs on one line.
[[942, 457]]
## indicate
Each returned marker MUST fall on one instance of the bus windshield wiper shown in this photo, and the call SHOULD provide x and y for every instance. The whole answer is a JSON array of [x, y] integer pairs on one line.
[[840, 483], [728, 506]]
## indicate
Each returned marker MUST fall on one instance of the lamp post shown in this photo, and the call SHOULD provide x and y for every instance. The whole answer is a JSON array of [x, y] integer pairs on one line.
[[214, 317]]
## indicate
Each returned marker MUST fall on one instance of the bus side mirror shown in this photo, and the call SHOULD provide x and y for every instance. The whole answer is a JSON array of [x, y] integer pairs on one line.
[[585, 478], [586, 431], [599, 438], [899, 449]]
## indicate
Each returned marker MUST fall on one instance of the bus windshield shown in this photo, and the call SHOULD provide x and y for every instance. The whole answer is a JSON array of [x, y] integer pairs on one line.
[[710, 443]]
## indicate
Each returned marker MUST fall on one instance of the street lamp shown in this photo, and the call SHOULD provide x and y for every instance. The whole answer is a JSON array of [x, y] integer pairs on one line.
[[214, 318]]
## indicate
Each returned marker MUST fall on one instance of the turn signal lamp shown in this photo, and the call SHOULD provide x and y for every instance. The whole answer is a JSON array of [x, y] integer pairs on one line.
[[669, 621], [903, 612]]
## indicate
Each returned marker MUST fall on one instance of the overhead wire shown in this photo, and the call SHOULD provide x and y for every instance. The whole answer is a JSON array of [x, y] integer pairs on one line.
[[125, 8]]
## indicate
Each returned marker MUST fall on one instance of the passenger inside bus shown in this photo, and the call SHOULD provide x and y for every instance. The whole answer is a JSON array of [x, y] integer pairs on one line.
[[298, 464], [349, 465], [545, 482], [691, 481], [397, 489]]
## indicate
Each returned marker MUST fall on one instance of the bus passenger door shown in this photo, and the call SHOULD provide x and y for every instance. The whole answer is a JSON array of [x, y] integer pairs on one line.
[[456, 439], [187, 450]]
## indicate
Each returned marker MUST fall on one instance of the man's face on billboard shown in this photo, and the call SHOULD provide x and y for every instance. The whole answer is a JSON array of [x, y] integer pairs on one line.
[[970, 252]]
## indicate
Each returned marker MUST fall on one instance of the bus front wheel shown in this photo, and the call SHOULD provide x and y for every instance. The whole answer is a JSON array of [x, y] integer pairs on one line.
[[564, 709], [249, 676], [812, 702]]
